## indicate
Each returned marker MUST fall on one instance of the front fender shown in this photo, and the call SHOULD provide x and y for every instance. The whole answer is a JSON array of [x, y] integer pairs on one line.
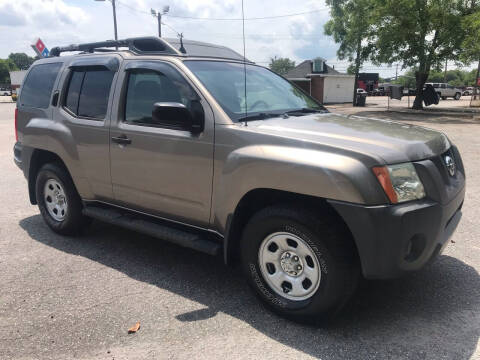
[[304, 171]]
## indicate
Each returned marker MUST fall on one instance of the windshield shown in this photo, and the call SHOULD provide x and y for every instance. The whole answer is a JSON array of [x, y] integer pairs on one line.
[[266, 91]]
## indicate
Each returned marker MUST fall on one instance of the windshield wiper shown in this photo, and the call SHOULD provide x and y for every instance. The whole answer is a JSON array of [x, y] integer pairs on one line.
[[259, 116], [303, 111]]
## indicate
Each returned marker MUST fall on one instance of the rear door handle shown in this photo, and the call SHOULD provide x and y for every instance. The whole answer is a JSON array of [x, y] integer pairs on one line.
[[122, 140]]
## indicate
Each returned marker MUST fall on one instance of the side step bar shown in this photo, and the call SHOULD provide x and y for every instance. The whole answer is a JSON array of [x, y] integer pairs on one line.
[[150, 227]]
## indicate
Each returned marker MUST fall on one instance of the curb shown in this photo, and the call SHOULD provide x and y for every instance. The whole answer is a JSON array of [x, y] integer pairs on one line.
[[436, 112]]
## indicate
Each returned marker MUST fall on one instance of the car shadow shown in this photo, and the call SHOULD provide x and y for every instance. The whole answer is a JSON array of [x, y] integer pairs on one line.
[[429, 314]]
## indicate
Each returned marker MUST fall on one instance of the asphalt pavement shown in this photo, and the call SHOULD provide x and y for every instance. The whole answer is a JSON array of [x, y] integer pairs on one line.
[[65, 297]]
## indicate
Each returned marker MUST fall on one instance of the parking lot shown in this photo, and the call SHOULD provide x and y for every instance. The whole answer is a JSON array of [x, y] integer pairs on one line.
[[76, 297], [383, 102]]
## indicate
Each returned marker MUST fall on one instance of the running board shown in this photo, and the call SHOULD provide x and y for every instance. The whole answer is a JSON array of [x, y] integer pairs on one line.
[[150, 227]]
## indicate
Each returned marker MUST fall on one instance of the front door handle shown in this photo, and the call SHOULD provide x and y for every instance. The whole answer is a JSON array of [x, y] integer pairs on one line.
[[122, 140]]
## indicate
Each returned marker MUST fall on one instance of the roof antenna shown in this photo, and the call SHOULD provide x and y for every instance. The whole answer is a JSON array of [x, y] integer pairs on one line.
[[182, 49], [244, 65]]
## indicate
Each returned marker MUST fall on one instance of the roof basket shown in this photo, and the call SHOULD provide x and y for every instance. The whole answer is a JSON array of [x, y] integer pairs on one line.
[[140, 45]]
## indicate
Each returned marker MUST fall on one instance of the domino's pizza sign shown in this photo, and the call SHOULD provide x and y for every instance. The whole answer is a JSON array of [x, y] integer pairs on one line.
[[40, 48]]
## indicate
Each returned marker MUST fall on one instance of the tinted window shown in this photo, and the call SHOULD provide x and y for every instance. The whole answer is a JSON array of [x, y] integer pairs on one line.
[[37, 88], [88, 92], [145, 88], [93, 100]]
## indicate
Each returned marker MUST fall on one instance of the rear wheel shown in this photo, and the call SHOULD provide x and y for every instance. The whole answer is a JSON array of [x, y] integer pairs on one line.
[[58, 200], [457, 96], [301, 264]]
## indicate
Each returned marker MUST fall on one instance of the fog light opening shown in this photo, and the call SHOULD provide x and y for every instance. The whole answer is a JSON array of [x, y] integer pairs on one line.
[[415, 247]]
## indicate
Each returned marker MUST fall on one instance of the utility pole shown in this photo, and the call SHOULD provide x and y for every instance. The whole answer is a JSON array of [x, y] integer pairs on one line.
[[114, 18], [396, 73], [158, 15], [445, 75]]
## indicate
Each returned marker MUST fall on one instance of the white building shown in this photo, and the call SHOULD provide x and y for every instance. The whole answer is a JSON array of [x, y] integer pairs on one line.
[[16, 78]]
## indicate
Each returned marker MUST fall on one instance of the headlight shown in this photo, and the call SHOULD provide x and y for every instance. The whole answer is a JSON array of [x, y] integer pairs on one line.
[[400, 182]]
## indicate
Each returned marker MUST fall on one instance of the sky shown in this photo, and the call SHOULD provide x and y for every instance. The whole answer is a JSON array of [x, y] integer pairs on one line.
[[64, 22]]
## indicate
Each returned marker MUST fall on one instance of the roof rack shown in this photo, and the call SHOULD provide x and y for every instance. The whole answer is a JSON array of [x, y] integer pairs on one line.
[[139, 45], [156, 45]]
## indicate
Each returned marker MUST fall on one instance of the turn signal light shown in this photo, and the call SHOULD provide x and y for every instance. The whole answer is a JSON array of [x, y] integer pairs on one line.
[[383, 177]]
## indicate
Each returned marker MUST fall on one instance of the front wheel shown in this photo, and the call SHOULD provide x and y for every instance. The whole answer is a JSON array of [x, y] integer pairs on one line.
[[58, 200], [302, 265]]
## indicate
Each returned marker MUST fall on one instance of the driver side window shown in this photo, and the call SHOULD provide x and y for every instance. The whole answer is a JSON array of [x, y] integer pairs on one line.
[[147, 87]]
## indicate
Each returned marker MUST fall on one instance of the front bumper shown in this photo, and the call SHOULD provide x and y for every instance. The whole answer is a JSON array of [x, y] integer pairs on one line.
[[395, 239]]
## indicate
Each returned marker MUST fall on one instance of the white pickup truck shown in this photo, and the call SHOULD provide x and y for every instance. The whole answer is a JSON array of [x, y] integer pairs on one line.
[[445, 91]]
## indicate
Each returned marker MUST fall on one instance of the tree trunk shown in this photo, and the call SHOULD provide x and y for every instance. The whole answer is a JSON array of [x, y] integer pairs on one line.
[[357, 70], [477, 85], [421, 79]]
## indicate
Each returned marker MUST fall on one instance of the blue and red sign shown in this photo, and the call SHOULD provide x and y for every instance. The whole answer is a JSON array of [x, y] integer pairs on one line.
[[40, 48]]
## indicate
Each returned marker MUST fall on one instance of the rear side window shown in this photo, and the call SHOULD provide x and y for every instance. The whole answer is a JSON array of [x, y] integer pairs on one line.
[[88, 92], [37, 88]]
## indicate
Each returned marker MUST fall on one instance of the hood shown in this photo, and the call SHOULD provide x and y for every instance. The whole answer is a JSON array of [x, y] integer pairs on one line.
[[391, 141]]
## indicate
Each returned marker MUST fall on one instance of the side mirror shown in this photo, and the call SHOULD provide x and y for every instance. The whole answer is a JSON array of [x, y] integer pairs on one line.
[[176, 115], [171, 114]]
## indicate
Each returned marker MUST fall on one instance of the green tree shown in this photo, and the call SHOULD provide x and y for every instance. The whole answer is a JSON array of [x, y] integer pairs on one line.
[[281, 65], [6, 65], [21, 60], [421, 34], [471, 43], [350, 26]]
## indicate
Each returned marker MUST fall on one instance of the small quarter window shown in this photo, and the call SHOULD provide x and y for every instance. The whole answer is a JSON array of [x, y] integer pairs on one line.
[[74, 91], [37, 88]]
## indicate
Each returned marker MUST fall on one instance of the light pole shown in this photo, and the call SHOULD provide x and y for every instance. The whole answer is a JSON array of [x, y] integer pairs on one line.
[[114, 18], [158, 15]]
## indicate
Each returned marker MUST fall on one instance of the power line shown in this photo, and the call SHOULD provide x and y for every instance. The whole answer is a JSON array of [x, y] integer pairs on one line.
[[171, 28], [132, 8], [223, 19], [251, 18]]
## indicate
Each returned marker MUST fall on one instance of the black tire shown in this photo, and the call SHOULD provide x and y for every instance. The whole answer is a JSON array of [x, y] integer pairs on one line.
[[330, 241], [457, 96], [444, 98], [74, 221]]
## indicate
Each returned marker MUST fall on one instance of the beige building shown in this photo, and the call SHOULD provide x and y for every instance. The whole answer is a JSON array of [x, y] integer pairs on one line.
[[322, 82]]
